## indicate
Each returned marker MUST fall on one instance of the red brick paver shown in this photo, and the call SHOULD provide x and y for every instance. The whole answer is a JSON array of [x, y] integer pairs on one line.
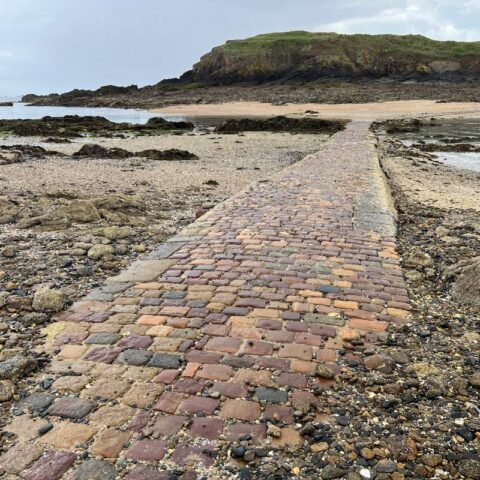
[[219, 332]]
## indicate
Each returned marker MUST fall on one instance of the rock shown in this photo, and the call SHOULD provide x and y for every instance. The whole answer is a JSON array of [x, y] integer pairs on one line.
[[466, 288], [274, 431], [323, 371], [331, 472], [95, 470], [386, 466], [432, 460], [118, 202], [93, 150], [117, 233], [474, 380], [7, 390], [469, 468], [72, 407], [419, 260], [319, 447], [16, 367], [379, 362], [82, 211], [171, 154], [99, 251], [48, 300], [424, 369], [281, 124]]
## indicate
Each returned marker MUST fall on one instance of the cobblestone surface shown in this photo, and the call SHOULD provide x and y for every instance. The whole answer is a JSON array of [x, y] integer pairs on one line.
[[225, 332]]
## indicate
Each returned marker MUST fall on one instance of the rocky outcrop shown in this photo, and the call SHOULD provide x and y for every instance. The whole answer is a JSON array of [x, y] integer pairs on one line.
[[311, 56]]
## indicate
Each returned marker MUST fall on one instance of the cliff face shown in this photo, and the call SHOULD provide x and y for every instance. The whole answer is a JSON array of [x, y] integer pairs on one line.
[[309, 56]]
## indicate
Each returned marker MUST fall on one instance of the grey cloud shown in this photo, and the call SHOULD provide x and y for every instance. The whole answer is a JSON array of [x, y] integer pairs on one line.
[[56, 45]]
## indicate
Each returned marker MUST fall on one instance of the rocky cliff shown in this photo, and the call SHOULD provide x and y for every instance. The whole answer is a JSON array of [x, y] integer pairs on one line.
[[310, 56]]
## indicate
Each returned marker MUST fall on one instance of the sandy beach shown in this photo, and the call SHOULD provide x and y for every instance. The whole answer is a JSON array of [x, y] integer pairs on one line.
[[381, 110]]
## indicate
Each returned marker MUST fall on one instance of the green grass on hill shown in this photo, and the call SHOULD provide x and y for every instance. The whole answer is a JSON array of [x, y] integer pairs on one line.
[[393, 44]]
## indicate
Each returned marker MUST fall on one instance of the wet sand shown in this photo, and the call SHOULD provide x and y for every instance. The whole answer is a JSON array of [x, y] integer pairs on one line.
[[355, 111]]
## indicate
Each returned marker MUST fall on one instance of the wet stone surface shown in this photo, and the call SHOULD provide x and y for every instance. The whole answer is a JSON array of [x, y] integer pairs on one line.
[[269, 344]]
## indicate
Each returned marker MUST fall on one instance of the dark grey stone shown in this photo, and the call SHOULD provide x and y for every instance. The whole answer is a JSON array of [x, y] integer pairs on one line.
[[103, 338], [271, 395], [134, 357], [72, 407], [36, 402], [164, 360]]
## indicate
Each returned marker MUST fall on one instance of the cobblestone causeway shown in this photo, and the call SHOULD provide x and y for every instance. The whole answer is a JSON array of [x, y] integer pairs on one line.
[[233, 325]]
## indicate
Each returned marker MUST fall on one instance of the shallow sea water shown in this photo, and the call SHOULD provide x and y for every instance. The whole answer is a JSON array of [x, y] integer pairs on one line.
[[461, 130]]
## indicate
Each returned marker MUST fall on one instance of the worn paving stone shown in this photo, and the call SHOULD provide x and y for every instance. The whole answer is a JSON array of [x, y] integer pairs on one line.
[[72, 407], [19, 457], [109, 443], [134, 357], [148, 450], [68, 435], [95, 470], [50, 466], [164, 360]]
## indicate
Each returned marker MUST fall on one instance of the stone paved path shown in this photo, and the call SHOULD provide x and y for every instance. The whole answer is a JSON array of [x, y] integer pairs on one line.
[[223, 331]]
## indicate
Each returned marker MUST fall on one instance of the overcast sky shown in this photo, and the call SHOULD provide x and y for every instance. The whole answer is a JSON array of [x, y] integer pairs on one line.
[[56, 45]]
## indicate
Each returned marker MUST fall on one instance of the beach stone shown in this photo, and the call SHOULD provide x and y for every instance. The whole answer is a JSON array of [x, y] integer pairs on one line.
[[100, 251], [331, 472], [16, 367], [95, 470], [48, 300], [386, 466], [466, 288], [7, 390], [379, 362], [117, 233], [474, 380], [37, 401], [469, 468], [72, 407]]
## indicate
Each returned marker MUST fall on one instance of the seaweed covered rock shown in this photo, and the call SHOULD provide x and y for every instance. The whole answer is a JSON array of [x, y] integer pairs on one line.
[[281, 124], [92, 150], [170, 154]]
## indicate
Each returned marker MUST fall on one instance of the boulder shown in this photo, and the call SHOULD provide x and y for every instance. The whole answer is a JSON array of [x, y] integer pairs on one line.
[[7, 390], [16, 367], [118, 202], [97, 252], [48, 300], [466, 288], [82, 211], [419, 259], [117, 233]]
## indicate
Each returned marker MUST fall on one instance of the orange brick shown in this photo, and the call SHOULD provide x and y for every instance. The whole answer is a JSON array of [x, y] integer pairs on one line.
[[346, 304], [190, 369], [397, 312], [151, 320], [301, 366], [368, 325]]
